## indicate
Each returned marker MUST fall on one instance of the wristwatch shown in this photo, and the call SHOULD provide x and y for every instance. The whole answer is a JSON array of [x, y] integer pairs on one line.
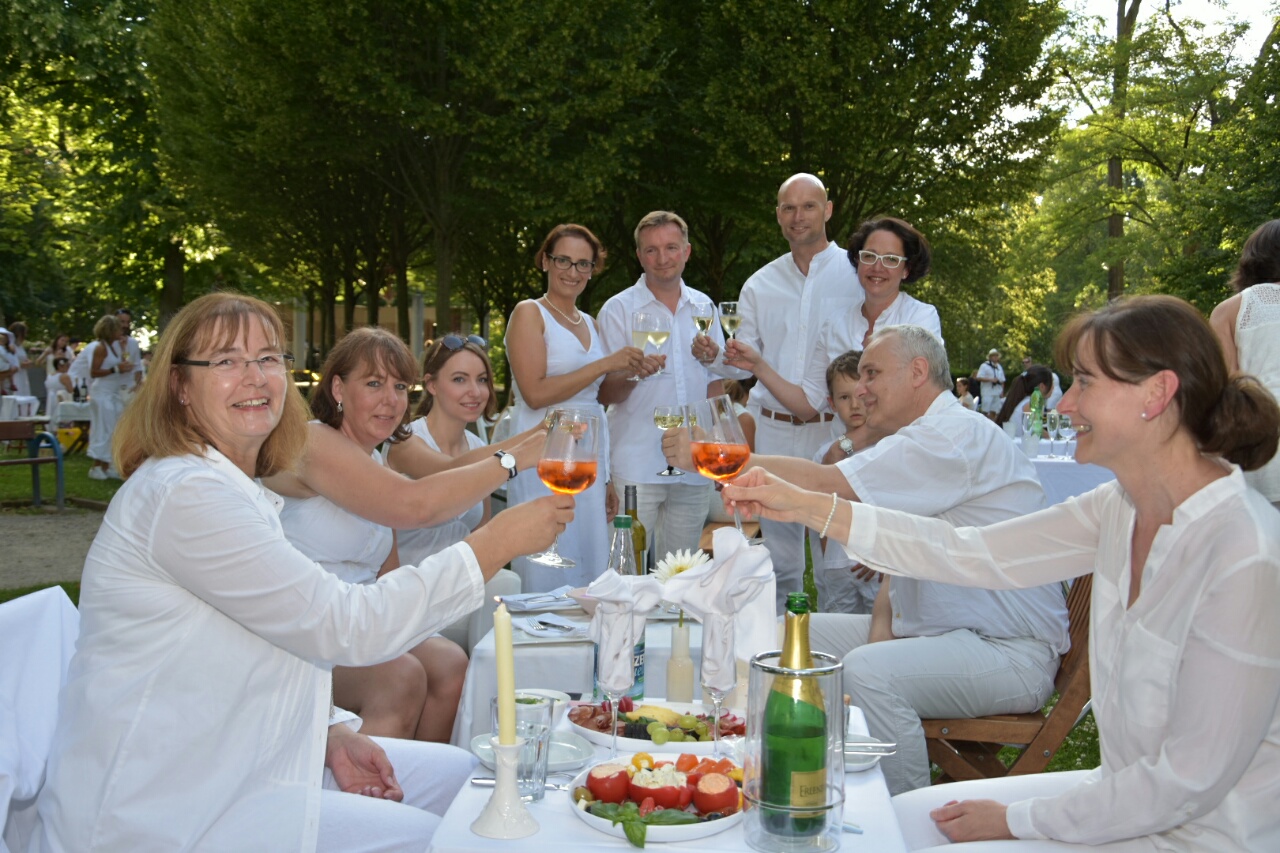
[[846, 444], [507, 461]]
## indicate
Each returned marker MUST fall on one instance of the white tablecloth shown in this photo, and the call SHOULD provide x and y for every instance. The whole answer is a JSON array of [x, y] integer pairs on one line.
[[866, 804], [1066, 478], [553, 665], [75, 412]]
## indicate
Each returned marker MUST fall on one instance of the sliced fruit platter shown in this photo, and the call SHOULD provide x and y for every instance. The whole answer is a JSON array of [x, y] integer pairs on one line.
[[655, 799], [669, 727]]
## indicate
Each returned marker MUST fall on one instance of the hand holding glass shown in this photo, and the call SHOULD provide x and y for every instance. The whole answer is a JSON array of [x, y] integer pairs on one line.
[[665, 418], [568, 465], [729, 318], [650, 328]]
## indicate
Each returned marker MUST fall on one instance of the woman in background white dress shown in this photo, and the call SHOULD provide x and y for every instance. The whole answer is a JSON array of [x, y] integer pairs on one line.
[[1248, 324], [557, 360]]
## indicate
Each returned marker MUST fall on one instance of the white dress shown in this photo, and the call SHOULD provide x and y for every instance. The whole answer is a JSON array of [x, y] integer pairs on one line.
[[586, 539], [1258, 347], [416, 544], [105, 403]]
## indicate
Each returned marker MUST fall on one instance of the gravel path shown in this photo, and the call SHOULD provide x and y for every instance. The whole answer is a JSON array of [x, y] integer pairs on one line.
[[43, 548]]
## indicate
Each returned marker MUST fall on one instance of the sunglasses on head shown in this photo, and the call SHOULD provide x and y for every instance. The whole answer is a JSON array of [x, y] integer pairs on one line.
[[453, 343]]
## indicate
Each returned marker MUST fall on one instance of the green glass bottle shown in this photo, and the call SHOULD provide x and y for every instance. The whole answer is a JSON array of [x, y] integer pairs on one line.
[[793, 769]]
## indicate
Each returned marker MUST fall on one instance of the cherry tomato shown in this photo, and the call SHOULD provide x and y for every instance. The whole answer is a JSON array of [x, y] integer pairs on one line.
[[666, 797], [715, 793], [626, 705], [724, 766], [702, 768], [609, 783], [647, 807]]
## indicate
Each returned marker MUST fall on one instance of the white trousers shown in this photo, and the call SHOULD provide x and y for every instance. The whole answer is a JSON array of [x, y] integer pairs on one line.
[[839, 589], [958, 674], [921, 834], [672, 513], [786, 541], [105, 407], [430, 774]]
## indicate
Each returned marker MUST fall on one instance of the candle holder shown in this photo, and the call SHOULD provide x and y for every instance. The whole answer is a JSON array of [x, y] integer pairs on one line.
[[505, 815]]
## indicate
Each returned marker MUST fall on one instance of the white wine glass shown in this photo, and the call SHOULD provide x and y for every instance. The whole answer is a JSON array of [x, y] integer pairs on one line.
[[568, 466], [1051, 425], [716, 442], [704, 314], [665, 418], [717, 703], [1067, 431], [729, 318], [649, 328]]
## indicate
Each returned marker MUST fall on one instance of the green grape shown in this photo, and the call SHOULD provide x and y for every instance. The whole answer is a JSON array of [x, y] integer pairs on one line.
[[676, 734], [660, 735], [704, 736], [654, 727], [688, 721], [702, 728]]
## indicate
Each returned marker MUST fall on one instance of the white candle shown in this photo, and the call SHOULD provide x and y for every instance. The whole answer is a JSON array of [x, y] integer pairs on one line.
[[506, 675]]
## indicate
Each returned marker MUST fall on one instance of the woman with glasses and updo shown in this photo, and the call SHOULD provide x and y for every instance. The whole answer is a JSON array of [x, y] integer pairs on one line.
[[343, 504], [558, 361]]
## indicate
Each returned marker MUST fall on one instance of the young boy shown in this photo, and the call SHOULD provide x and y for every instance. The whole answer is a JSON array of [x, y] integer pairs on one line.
[[843, 586]]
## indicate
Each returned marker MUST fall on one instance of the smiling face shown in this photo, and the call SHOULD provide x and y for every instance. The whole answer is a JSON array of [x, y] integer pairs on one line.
[[238, 410], [1105, 412], [803, 211], [373, 403], [460, 389], [881, 284], [663, 252], [887, 386], [568, 284]]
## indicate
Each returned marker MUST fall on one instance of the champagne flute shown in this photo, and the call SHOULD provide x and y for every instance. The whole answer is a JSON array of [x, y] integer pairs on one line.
[[1051, 423], [716, 442], [568, 466], [729, 318], [717, 701], [1068, 432], [665, 418]]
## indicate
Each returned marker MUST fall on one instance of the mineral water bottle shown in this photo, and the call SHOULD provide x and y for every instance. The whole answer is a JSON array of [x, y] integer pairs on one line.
[[794, 744]]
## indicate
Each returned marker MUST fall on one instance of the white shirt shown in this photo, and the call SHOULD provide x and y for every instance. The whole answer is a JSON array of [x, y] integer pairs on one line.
[[635, 442], [1185, 682], [846, 331], [783, 311], [990, 381], [416, 544], [956, 465], [196, 706]]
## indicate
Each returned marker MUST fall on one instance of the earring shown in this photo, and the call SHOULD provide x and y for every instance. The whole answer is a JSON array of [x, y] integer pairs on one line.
[[340, 408], [182, 400], [1144, 414]]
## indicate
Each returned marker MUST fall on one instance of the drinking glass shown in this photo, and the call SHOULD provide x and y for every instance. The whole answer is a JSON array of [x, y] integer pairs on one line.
[[650, 328], [665, 418], [534, 715], [568, 465], [1068, 432], [729, 318], [716, 441], [1051, 424], [704, 314]]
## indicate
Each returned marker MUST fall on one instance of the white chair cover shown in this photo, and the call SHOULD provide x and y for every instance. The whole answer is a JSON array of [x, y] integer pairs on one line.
[[38, 635]]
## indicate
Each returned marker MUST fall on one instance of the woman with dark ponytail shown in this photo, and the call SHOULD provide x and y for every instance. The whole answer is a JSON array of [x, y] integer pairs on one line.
[[1184, 639], [1248, 324]]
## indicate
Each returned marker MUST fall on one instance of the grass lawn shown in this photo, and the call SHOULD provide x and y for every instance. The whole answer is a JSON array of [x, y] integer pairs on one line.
[[15, 480]]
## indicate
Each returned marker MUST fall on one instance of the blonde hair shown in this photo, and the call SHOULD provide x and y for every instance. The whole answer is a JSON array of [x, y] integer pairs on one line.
[[107, 329], [157, 425]]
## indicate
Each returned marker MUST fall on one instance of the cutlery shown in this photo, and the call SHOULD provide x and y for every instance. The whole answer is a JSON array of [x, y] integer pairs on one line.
[[870, 750], [540, 627], [489, 782], [868, 744]]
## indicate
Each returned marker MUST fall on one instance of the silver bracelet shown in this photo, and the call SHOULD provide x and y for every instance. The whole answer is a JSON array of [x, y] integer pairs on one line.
[[830, 516]]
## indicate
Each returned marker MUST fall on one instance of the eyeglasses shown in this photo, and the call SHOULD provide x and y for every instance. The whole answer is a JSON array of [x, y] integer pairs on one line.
[[275, 363], [453, 343], [563, 263], [891, 262]]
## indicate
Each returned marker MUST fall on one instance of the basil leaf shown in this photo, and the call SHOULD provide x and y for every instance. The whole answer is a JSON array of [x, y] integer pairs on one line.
[[635, 830], [671, 817]]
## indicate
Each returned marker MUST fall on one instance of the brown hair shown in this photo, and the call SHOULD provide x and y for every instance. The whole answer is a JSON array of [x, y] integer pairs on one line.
[[107, 329], [1135, 337], [433, 362], [1022, 387], [656, 218], [915, 244], [569, 229], [366, 347], [845, 364], [157, 425], [1260, 259]]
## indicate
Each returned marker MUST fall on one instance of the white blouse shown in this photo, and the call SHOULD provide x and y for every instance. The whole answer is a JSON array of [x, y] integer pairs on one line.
[[196, 707], [1186, 682]]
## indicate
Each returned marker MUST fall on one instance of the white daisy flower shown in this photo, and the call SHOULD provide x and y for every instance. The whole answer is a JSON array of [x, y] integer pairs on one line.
[[681, 561]]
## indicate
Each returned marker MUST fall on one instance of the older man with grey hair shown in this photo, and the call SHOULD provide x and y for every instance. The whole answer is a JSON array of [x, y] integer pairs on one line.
[[930, 649]]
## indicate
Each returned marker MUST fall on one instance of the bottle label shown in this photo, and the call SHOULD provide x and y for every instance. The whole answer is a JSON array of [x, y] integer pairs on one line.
[[809, 787], [637, 662]]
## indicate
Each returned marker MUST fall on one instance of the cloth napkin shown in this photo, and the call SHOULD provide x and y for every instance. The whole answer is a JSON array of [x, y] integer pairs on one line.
[[733, 598], [618, 623]]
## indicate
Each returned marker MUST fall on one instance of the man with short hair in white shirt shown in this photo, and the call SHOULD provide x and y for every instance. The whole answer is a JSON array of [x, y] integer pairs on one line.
[[930, 649], [672, 508], [991, 382], [783, 306]]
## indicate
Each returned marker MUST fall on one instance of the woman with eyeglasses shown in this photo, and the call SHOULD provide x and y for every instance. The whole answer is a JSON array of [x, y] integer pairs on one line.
[[456, 391], [196, 711], [886, 253], [558, 361], [342, 506]]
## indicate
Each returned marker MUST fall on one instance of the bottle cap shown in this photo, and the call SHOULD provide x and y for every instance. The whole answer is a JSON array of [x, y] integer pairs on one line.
[[798, 602], [622, 521]]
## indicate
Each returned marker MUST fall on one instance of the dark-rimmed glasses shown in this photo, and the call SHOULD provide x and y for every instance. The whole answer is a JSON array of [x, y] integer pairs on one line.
[[274, 363], [563, 263], [891, 262], [453, 343]]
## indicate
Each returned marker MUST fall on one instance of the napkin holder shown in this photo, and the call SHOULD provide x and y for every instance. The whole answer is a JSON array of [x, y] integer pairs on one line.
[[505, 815]]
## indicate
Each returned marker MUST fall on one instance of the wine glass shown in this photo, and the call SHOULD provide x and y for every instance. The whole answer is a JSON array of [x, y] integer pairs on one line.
[[1051, 424], [568, 465], [649, 327], [717, 701], [665, 418], [729, 318], [1067, 431], [704, 314], [716, 442]]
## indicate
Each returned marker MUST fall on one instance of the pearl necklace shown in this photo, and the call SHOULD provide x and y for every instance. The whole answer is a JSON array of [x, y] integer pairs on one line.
[[569, 319]]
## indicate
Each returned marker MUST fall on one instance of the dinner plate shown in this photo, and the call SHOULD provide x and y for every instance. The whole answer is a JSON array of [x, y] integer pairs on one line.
[[632, 744], [568, 751], [657, 834], [858, 763]]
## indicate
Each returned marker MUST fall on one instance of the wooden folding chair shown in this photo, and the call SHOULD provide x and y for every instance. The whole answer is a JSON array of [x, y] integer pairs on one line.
[[969, 748]]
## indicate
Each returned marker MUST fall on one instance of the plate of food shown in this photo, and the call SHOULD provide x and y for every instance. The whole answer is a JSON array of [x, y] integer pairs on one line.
[[568, 751], [666, 727], [646, 799]]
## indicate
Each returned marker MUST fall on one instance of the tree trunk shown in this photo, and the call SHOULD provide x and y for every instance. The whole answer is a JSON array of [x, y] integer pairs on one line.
[[444, 283], [1126, 21], [175, 280]]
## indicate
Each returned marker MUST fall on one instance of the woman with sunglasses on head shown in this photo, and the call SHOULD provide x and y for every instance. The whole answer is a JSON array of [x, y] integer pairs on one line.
[[342, 505], [557, 360], [456, 392]]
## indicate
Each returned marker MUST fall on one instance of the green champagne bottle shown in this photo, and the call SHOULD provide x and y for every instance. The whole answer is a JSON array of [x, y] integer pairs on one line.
[[793, 769]]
